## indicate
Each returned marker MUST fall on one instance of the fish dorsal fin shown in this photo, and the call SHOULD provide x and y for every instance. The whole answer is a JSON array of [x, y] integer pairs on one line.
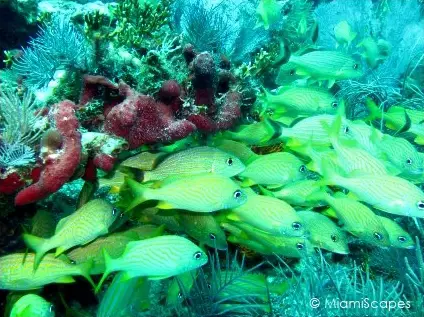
[[407, 124]]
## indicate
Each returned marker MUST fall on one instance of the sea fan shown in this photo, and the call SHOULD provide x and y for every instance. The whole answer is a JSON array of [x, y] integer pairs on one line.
[[208, 295], [359, 15], [58, 44], [20, 121], [12, 155], [332, 287], [224, 27]]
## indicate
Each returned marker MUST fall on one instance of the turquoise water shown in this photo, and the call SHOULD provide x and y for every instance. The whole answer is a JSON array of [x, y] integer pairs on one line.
[[211, 158]]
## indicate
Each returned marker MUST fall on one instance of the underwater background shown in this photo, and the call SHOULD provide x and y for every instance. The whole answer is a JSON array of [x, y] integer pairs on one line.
[[211, 158]]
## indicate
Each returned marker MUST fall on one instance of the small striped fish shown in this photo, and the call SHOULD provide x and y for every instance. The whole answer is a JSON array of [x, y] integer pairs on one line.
[[291, 247], [402, 154], [87, 223], [156, 258], [324, 65], [32, 305], [388, 193], [296, 193], [199, 193], [357, 218], [204, 228], [198, 160], [324, 233], [399, 238], [300, 101], [114, 244], [17, 271], [269, 214], [274, 169], [124, 296], [350, 157]]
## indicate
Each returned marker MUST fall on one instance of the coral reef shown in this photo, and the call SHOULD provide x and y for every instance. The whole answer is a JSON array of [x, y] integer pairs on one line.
[[60, 162]]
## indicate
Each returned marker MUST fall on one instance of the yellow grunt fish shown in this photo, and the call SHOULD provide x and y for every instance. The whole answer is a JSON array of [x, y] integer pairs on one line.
[[198, 160], [17, 271], [32, 305], [299, 101], [156, 258], [199, 193], [356, 218], [324, 233], [274, 169], [269, 214], [387, 193], [399, 238], [84, 225]]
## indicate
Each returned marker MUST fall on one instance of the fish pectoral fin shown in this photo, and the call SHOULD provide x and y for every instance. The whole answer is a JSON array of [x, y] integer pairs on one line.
[[419, 139], [164, 205], [331, 83], [247, 182], [65, 279], [233, 216], [160, 277], [60, 250]]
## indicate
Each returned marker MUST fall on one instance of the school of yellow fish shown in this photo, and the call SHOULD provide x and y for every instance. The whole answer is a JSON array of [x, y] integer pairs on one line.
[[336, 181]]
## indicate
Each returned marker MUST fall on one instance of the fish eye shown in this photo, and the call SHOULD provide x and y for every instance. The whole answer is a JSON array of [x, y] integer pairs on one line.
[[212, 236], [114, 211], [409, 161], [73, 262], [378, 236], [300, 246], [346, 130], [51, 308], [209, 285], [180, 295], [197, 255], [229, 161], [334, 238], [237, 193], [292, 72], [402, 239], [334, 104], [355, 66], [296, 226], [302, 168], [420, 205]]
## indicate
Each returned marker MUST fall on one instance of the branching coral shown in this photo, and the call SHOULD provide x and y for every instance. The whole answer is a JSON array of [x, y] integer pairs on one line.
[[138, 21]]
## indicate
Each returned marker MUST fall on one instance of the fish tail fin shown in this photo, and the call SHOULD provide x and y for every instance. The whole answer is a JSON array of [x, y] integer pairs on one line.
[[318, 196], [333, 130], [108, 270], [284, 55], [330, 177], [265, 191], [139, 192], [374, 111], [274, 130], [38, 245], [85, 269]]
